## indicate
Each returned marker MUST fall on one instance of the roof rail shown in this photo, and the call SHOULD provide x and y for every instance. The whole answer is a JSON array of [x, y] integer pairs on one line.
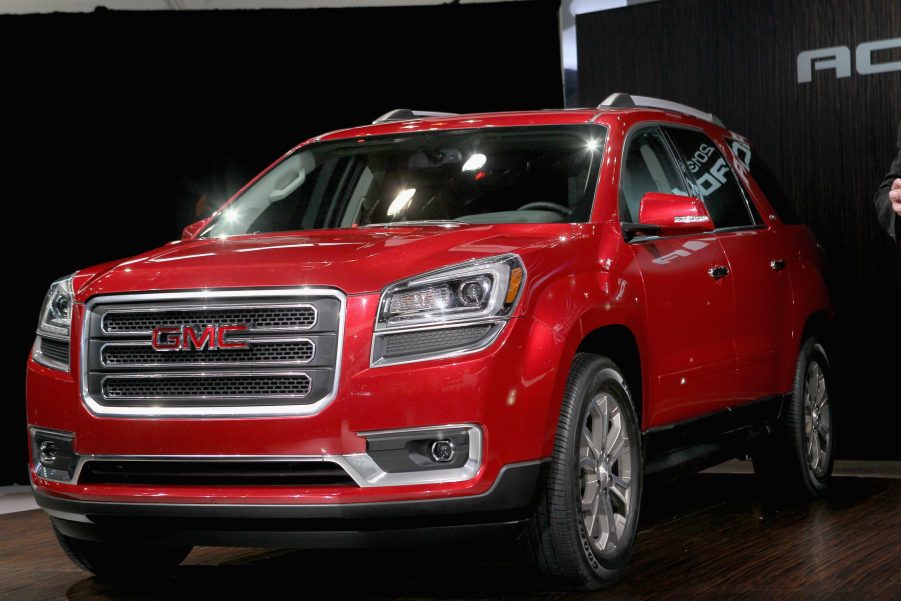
[[623, 100], [407, 115]]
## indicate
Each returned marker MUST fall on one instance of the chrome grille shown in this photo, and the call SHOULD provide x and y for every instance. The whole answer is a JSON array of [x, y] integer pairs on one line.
[[279, 372], [295, 352], [203, 386], [297, 317]]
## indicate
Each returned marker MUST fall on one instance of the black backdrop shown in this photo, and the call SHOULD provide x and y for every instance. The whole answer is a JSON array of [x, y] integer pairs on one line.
[[108, 141], [830, 141]]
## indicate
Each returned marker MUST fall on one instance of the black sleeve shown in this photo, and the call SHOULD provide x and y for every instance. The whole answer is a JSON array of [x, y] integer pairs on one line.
[[884, 212]]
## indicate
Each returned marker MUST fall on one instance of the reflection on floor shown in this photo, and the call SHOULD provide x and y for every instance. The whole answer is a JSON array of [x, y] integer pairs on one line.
[[16, 498], [710, 536], [842, 467]]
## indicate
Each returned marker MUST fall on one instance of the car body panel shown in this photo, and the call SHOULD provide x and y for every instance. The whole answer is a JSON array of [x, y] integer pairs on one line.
[[705, 345], [357, 260]]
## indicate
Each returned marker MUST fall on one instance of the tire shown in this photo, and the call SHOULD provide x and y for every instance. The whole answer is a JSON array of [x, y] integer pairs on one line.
[[118, 561], [582, 531], [799, 457]]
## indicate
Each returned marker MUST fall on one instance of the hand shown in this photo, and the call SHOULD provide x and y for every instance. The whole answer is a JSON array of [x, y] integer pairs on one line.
[[894, 196]]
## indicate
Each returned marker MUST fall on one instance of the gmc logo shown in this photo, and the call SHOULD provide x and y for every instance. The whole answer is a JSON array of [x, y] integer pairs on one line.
[[187, 338], [839, 59]]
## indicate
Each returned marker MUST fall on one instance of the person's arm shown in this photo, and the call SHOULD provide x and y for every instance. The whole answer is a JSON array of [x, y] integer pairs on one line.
[[888, 197]]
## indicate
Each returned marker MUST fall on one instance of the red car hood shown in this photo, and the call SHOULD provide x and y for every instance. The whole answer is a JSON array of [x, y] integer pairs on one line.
[[355, 261]]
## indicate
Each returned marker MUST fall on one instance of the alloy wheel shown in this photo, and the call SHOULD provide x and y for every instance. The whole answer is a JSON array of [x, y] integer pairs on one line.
[[605, 472], [817, 419]]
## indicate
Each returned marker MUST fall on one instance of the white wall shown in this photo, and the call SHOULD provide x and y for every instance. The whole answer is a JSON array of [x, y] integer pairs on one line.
[[46, 6]]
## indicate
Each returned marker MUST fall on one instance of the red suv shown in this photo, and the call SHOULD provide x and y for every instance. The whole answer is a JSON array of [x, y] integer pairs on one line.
[[437, 322]]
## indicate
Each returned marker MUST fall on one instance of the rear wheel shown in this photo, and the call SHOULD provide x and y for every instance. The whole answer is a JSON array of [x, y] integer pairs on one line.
[[583, 529], [800, 456], [117, 561]]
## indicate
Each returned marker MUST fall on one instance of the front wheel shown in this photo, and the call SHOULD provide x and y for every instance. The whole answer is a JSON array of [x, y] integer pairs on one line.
[[583, 529], [799, 458]]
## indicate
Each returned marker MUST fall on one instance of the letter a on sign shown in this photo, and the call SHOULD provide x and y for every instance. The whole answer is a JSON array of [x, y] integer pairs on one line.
[[838, 58]]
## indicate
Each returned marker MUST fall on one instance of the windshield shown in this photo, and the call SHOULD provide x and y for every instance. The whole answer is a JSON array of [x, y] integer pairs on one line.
[[503, 175]]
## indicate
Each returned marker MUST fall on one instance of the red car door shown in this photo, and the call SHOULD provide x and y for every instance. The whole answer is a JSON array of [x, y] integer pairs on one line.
[[689, 303], [756, 264]]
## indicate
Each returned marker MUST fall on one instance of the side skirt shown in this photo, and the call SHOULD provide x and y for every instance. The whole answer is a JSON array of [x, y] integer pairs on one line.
[[693, 445]]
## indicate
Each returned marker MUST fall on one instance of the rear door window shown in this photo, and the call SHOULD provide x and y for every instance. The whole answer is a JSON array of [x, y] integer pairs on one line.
[[713, 179]]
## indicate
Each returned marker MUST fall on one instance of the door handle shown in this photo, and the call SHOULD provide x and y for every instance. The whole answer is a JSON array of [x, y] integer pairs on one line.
[[777, 264], [718, 272]]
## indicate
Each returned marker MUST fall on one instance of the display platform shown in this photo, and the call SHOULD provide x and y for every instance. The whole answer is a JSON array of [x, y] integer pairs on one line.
[[709, 536]]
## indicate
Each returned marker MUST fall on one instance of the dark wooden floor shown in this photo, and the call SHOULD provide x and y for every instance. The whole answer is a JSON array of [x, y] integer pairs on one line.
[[712, 536]]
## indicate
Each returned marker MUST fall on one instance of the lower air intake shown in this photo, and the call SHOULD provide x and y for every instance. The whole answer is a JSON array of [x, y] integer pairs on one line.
[[215, 473]]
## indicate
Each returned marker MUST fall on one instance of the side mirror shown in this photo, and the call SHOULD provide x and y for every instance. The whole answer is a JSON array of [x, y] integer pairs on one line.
[[674, 214], [191, 230]]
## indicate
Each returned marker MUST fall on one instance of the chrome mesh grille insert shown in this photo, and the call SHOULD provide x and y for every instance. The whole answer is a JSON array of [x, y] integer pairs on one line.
[[298, 352], [182, 387], [301, 317], [289, 366]]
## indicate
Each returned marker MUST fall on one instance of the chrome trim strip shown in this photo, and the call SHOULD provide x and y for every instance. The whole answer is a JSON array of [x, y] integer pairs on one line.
[[445, 326], [69, 517], [215, 374], [362, 466], [191, 308], [359, 466], [250, 340], [212, 411], [52, 335]]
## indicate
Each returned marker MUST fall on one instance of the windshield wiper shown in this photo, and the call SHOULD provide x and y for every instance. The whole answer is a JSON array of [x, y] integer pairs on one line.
[[434, 222]]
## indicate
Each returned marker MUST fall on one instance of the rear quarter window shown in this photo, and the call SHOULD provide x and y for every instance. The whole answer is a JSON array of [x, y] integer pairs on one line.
[[750, 157]]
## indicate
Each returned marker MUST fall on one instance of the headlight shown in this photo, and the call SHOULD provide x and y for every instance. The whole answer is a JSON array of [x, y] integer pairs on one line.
[[52, 345], [452, 311]]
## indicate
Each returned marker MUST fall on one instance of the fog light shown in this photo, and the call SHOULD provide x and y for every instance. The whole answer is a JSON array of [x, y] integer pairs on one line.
[[53, 454], [443, 451], [47, 452]]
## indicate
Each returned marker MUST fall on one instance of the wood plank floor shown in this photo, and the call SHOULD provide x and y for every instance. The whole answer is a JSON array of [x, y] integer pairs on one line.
[[713, 536]]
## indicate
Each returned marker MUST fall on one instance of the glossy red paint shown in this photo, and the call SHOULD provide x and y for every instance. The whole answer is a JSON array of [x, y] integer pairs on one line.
[[704, 344], [674, 214], [192, 230], [353, 260]]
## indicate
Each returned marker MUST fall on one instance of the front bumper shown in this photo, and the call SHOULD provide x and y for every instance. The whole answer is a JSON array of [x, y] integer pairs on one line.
[[501, 510], [503, 390]]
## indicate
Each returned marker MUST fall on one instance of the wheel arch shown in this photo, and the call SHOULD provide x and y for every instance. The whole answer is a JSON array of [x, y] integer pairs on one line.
[[618, 343], [618, 337], [582, 309], [819, 325], [812, 311], [817, 322]]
